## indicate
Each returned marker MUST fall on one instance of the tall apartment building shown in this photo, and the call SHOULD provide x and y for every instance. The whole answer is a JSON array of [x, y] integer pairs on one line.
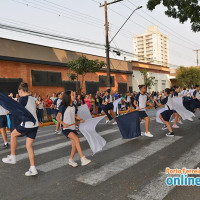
[[151, 47]]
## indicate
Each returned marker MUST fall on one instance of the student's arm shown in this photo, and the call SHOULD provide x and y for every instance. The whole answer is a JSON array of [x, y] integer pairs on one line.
[[78, 118], [58, 118], [59, 115], [136, 102]]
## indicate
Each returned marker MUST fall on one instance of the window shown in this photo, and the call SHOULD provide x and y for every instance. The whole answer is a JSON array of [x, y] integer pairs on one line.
[[46, 78]]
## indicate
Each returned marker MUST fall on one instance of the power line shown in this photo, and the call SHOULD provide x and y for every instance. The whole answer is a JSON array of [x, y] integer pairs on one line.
[[186, 39]]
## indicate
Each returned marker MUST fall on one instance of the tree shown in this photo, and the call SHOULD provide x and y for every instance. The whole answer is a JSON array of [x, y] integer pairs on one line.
[[148, 80], [183, 10], [187, 76], [82, 66], [72, 76]]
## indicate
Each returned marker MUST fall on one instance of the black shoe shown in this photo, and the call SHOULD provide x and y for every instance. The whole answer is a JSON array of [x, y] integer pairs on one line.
[[170, 134], [6, 146]]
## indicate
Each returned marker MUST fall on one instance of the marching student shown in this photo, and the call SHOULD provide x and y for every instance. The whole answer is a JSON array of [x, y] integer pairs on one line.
[[57, 103], [166, 115], [141, 101], [26, 128], [196, 99], [107, 107], [176, 116], [66, 117], [3, 125]]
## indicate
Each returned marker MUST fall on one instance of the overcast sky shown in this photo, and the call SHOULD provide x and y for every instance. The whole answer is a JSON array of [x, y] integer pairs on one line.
[[84, 19]]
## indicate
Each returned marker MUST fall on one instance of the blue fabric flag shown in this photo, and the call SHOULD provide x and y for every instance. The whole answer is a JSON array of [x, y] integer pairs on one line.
[[129, 125], [15, 108]]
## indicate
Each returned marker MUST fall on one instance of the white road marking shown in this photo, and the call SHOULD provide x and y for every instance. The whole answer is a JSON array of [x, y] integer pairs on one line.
[[34, 144], [105, 172], [64, 160], [157, 188], [59, 146]]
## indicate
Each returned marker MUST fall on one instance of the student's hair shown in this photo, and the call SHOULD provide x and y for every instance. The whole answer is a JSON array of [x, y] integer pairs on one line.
[[23, 86], [196, 86], [141, 86], [66, 100], [58, 94], [108, 91], [184, 88], [167, 90], [176, 87]]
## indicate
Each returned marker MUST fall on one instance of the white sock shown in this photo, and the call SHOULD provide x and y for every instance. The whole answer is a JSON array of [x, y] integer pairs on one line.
[[32, 167], [5, 143], [13, 156]]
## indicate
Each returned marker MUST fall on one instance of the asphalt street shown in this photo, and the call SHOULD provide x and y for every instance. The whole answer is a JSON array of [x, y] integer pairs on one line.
[[124, 170]]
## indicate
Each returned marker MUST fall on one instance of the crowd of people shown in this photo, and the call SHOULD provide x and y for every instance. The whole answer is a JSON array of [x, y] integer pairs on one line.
[[63, 106]]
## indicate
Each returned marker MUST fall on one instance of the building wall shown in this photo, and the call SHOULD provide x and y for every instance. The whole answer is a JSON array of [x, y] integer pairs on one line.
[[151, 46], [161, 79], [10, 69]]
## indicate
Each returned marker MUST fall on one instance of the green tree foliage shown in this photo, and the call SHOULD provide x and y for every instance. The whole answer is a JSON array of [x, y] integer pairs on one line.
[[187, 76], [183, 10], [72, 76], [82, 66], [148, 80]]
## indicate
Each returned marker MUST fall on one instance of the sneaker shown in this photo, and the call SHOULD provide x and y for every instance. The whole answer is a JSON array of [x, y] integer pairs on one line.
[[72, 163], [6, 146], [190, 119], [108, 121], [59, 132], [142, 133], [85, 161], [175, 126], [56, 132], [170, 134], [164, 127], [31, 172], [180, 122], [172, 120], [148, 134], [9, 160], [114, 123]]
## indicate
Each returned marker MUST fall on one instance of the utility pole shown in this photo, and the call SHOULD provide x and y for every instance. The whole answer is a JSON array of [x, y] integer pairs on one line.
[[105, 5], [197, 52]]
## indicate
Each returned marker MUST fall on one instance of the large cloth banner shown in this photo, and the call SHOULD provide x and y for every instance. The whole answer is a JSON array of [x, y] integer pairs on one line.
[[158, 114], [115, 105], [15, 108], [83, 112], [88, 129], [129, 125], [180, 109]]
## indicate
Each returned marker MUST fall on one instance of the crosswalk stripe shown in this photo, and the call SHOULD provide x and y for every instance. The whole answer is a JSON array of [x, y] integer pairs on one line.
[[64, 160], [105, 172], [59, 146], [189, 160], [34, 144]]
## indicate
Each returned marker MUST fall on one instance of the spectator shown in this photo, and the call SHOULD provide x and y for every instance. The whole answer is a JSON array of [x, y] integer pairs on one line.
[[40, 109], [48, 104]]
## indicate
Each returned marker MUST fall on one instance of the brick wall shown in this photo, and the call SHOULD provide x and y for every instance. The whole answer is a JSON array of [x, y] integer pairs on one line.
[[10, 69]]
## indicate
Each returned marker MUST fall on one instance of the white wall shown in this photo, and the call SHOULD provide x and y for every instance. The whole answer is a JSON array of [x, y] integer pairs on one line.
[[159, 78]]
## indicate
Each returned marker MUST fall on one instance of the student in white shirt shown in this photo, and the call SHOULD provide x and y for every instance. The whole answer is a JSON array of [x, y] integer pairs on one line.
[[141, 101], [3, 125], [66, 117], [26, 128]]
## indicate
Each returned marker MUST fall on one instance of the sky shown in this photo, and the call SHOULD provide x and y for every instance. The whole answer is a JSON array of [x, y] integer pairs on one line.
[[84, 19]]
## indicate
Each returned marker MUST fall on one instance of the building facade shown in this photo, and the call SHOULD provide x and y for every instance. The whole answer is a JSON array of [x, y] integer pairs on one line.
[[161, 74], [45, 70], [151, 47]]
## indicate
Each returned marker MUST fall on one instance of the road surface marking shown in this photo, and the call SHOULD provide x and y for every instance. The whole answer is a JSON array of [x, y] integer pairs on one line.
[[157, 188], [105, 172]]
